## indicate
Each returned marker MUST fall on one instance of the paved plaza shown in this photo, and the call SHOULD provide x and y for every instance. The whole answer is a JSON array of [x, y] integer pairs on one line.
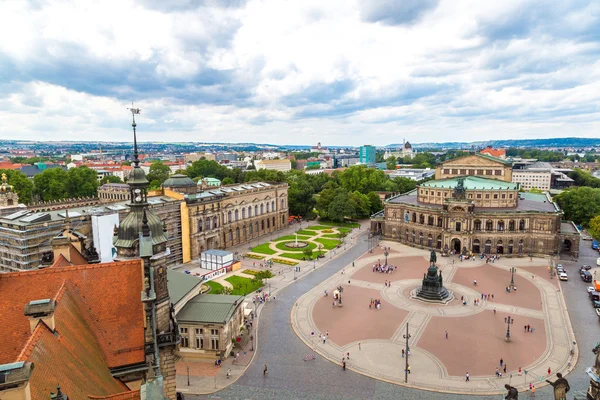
[[476, 333]]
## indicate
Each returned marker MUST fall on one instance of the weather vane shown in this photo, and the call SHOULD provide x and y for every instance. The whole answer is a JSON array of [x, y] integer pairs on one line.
[[134, 110]]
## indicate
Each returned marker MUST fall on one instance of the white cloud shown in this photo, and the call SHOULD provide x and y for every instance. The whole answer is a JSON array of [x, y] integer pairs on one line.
[[338, 72]]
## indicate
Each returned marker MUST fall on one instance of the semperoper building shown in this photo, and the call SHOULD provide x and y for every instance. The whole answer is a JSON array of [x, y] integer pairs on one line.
[[473, 207]]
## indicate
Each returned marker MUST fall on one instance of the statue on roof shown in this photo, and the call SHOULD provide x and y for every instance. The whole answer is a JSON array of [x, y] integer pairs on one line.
[[459, 189]]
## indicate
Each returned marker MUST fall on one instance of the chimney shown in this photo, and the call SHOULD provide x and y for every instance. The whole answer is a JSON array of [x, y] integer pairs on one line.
[[14, 380], [58, 395], [41, 310]]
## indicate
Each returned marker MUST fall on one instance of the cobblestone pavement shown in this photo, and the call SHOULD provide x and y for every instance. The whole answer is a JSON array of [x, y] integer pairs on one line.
[[290, 377]]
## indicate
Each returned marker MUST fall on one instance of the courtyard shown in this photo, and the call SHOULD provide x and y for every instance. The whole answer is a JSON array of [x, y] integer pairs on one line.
[[476, 332]]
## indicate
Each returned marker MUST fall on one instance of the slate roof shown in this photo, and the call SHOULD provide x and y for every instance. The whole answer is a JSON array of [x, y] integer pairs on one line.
[[472, 183], [180, 284], [33, 170], [107, 295], [210, 308]]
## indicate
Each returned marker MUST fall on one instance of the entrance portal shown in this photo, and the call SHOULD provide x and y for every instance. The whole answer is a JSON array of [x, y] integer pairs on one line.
[[455, 246]]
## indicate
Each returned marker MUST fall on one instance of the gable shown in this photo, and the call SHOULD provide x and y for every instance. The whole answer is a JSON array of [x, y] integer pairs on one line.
[[475, 160]]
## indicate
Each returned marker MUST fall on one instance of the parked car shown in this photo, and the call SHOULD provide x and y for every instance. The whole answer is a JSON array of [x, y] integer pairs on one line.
[[591, 289], [586, 267], [598, 261], [596, 304], [563, 276], [560, 269], [586, 276], [594, 296]]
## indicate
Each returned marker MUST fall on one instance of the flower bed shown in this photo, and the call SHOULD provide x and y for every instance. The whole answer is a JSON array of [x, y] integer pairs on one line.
[[327, 231], [254, 256], [250, 272], [282, 261]]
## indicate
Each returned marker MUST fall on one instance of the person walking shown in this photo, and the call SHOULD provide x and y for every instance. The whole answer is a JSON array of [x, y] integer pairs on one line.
[[359, 345], [344, 365], [467, 377], [265, 370], [504, 368], [446, 334]]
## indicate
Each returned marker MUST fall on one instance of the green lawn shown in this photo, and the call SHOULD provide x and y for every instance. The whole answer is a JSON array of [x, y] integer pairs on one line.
[[291, 237], [342, 230], [263, 249], [317, 227], [298, 256], [281, 246], [243, 286], [331, 235], [215, 287], [328, 244], [344, 224], [307, 232]]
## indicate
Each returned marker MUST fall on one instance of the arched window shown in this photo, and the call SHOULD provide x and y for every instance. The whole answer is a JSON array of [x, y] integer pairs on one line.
[[255, 210], [477, 226], [414, 217], [511, 227], [439, 242], [237, 233], [229, 216], [207, 223], [268, 205], [476, 246], [522, 225], [489, 225], [429, 240], [488, 246], [215, 222], [230, 235], [510, 245], [282, 204], [273, 205], [273, 222], [256, 226], [430, 220], [249, 211], [421, 238], [268, 223], [262, 209], [200, 224], [262, 225], [422, 219], [251, 229], [414, 237], [500, 226], [236, 215], [440, 222]]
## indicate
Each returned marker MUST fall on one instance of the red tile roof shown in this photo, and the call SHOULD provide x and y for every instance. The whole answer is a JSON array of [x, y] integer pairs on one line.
[[109, 293], [494, 152], [70, 357], [61, 261], [133, 394]]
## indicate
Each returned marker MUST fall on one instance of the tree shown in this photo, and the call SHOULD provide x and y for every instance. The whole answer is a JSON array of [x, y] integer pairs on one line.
[[341, 207], [375, 202], [158, 173], [81, 182], [580, 204], [110, 179], [308, 253], [50, 184], [180, 172], [359, 205], [300, 197], [594, 228], [228, 181], [363, 179], [391, 163], [22, 185]]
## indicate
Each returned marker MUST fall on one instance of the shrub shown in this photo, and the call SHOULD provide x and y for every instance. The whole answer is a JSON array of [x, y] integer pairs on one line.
[[254, 256], [327, 231], [285, 262], [250, 272]]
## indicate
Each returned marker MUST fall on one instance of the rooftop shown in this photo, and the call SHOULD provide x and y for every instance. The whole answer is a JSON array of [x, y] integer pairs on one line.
[[472, 183], [218, 253], [180, 284], [210, 308]]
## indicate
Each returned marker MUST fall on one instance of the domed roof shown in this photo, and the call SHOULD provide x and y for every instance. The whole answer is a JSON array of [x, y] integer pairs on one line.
[[407, 145], [179, 180]]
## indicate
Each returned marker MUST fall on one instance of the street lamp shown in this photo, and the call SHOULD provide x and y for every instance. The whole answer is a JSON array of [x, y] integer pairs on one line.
[[406, 336], [386, 253], [188, 374], [315, 263], [512, 277], [509, 322]]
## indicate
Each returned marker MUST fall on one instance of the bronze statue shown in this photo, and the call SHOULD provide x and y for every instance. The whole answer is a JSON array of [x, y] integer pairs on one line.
[[561, 387], [513, 393], [432, 257]]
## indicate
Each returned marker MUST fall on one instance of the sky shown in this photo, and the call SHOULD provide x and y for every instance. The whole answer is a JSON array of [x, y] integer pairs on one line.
[[339, 72]]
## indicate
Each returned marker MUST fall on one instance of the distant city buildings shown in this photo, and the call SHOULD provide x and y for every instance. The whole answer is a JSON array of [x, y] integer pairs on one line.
[[499, 153], [274, 165], [366, 154], [414, 174], [532, 174]]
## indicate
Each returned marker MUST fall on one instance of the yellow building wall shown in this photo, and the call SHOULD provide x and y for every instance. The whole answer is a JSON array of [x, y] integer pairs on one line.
[[185, 232]]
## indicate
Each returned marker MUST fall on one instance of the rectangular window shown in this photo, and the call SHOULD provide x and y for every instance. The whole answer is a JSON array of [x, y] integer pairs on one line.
[[185, 341], [454, 171], [214, 332], [510, 196], [199, 342], [498, 172], [199, 331], [488, 171], [503, 196], [479, 172], [183, 330], [478, 195], [495, 196], [439, 194], [446, 171], [214, 343], [487, 196]]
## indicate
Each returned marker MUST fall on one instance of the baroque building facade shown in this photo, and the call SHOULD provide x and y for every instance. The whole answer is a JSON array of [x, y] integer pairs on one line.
[[467, 212]]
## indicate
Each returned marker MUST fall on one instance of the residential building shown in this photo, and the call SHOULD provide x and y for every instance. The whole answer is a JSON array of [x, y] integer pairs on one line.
[[498, 153], [367, 154], [531, 174], [415, 174], [468, 213], [275, 165]]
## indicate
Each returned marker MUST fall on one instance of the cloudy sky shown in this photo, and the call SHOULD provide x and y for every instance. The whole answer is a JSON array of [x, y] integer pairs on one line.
[[341, 72]]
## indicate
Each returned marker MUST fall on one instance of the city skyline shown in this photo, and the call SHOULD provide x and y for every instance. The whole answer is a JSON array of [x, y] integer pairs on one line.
[[272, 72]]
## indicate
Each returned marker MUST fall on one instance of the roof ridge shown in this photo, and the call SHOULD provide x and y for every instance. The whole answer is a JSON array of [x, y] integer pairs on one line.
[[52, 270], [31, 342]]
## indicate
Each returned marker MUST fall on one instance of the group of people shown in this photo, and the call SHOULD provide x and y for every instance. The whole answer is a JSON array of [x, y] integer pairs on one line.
[[375, 303], [262, 298], [384, 269], [528, 328]]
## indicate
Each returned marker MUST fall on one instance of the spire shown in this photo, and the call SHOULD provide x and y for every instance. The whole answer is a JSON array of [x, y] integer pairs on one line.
[[134, 111], [145, 227]]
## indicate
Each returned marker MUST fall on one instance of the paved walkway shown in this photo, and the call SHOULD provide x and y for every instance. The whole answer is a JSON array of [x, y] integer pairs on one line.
[[437, 364], [205, 378]]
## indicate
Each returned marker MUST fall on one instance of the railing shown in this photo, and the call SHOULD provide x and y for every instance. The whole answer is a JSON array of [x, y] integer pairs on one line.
[[167, 339]]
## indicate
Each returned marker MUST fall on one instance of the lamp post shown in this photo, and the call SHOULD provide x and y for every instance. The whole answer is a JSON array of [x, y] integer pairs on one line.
[[406, 336], [295, 272], [315, 262], [509, 322], [386, 253], [188, 374], [512, 277]]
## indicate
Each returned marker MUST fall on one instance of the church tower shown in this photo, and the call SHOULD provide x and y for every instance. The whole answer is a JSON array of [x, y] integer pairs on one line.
[[143, 235]]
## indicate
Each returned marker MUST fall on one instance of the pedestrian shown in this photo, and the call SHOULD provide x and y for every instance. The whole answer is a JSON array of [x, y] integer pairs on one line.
[[533, 390], [494, 310], [504, 322], [327, 333], [265, 370], [525, 328], [501, 360], [446, 334], [467, 376], [402, 353], [532, 329], [528, 328], [228, 372], [408, 369], [359, 345], [549, 371], [344, 365], [348, 355], [504, 368]]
